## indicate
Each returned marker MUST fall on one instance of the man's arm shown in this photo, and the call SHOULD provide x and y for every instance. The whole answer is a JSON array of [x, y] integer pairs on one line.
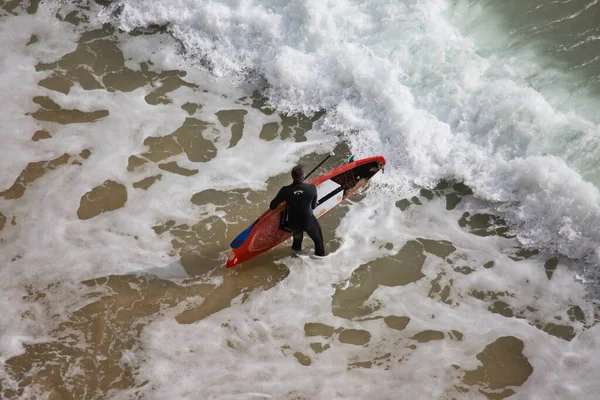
[[277, 200], [315, 203]]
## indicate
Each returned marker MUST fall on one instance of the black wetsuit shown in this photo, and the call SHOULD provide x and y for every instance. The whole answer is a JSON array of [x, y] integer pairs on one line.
[[301, 199]]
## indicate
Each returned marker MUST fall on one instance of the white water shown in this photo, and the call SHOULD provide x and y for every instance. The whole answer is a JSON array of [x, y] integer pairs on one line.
[[237, 353], [396, 79]]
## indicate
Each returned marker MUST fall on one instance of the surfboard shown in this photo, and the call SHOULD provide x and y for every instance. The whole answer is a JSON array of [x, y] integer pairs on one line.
[[334, 187]]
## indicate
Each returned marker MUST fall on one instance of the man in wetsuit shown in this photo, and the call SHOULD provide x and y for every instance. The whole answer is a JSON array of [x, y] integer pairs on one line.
[[301, 200]]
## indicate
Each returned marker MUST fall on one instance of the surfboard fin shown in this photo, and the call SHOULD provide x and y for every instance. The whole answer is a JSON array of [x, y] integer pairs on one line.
[[351, 159]]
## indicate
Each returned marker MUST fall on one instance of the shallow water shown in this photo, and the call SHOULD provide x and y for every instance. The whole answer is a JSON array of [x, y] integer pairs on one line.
[[131, 158]]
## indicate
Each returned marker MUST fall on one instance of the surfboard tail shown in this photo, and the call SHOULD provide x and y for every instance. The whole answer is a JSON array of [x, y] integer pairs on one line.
[[232, 259]]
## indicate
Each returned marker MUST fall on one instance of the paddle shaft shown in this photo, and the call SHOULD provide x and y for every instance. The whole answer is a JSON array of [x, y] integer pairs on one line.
[[315, 168]]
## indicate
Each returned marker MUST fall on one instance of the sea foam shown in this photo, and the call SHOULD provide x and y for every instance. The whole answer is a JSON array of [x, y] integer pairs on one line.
[[399, 79]]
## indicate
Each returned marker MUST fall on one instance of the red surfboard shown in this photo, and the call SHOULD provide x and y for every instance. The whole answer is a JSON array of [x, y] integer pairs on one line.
[[332, 188]]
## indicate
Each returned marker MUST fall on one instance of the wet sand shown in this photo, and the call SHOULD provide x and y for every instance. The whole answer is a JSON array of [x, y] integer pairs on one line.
[[85, 352]]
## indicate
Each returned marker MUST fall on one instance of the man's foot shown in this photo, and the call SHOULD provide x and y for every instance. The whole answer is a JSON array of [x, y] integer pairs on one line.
[[299, 252]]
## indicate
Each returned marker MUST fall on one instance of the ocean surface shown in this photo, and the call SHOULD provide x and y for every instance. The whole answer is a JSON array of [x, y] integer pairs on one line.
[[139, 137]]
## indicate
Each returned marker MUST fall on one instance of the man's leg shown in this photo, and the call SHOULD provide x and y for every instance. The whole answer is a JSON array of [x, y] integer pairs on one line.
[[297, 243], [315, 233]]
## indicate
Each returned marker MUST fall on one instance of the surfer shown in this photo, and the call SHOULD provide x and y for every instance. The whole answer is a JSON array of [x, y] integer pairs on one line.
[[301, 200]]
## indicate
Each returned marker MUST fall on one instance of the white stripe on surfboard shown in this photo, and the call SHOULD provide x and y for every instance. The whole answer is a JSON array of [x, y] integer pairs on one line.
[[323, 190]]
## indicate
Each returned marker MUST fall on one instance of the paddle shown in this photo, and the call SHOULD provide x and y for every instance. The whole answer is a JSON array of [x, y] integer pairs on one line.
[[315, 168]]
